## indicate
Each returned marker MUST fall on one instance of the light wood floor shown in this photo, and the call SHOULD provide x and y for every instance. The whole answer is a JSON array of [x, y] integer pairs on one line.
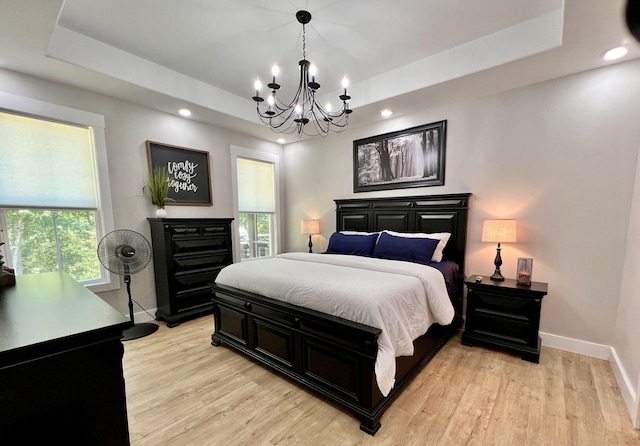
[[183, 391]]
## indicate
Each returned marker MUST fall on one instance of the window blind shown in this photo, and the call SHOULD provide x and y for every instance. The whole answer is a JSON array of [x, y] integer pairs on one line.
[[46, 164], [256, 186]]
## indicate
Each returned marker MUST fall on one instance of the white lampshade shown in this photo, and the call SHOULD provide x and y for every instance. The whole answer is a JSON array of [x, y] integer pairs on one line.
[[499, 231], [310, 227]]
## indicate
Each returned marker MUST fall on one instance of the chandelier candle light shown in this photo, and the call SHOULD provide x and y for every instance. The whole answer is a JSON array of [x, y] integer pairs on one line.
[[303, 114]]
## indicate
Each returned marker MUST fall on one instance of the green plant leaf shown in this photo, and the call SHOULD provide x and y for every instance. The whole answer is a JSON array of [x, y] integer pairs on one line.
[[158, 186]]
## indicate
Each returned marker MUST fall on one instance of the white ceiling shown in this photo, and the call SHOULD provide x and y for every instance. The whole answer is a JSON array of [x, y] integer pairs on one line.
[[405, 55]]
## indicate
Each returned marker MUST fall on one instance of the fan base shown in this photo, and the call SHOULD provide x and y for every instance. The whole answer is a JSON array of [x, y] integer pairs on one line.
[[139, 331]]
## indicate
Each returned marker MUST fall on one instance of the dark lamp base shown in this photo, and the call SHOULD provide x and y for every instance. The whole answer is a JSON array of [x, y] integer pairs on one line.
[[139, 331], [497, 275]]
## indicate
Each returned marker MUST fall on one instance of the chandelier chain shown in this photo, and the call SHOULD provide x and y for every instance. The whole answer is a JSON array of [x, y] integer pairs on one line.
[[304, 43]]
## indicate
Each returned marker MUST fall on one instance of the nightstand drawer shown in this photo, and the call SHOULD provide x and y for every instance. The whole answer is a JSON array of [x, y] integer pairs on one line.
[[504, 305], [509, 330]]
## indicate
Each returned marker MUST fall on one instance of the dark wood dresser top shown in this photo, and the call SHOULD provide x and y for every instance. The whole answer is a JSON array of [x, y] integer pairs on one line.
[[49, 308]]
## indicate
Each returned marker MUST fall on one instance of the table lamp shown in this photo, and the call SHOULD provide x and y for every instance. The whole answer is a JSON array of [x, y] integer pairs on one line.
[[500, 231], [310, 227]]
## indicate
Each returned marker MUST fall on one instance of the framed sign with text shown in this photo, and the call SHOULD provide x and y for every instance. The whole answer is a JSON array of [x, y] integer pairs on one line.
[[189, 178]]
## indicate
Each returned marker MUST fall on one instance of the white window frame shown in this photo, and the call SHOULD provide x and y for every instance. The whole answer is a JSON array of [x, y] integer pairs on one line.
[[256, 155], [12, 103]]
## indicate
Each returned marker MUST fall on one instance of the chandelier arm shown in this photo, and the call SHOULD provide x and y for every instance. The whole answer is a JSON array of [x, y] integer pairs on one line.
[[279, 111], [303, 114], [280, 128], [320, 128], [276, 122], [281, 107]]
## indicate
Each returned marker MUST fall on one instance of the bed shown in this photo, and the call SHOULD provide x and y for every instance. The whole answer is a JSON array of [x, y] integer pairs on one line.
[[332, 355]]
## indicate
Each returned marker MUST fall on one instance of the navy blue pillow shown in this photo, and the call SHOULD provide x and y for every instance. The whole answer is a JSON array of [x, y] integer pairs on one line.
[[409, 249], [354, 244]]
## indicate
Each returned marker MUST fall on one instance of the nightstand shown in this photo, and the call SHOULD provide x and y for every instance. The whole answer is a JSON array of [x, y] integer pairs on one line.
[[504, 315]]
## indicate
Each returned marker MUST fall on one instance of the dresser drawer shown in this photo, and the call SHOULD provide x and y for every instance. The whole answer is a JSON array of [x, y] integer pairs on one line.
[[191, 262], [184, 230], [213, 229], [193, 298], [199, 244], [196, 278]]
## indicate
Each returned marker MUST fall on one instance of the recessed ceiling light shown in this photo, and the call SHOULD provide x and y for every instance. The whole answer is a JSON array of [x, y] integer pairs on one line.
[[615, 53], [184, 112], [386, 113], [281, 140]]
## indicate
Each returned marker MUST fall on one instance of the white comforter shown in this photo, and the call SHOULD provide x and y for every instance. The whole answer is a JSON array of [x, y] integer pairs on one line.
[[401, 298]]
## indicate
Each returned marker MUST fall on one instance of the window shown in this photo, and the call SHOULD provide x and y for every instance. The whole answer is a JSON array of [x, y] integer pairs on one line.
[[54, 206], [256, 202], [42, 241]]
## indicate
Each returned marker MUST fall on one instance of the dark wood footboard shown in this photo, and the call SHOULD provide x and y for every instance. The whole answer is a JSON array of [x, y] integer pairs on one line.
[[332, 356]]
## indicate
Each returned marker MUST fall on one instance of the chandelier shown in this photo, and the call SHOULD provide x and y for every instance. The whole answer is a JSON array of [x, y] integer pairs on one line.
[[303, 114]]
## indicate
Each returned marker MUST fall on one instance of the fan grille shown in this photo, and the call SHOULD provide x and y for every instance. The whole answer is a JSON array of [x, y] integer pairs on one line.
[[124, 251]]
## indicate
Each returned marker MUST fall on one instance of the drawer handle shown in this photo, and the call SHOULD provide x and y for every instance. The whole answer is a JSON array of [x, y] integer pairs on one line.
[[247, 305], [296, 322]]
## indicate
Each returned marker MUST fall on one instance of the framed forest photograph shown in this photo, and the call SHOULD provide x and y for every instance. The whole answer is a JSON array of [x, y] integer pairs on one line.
[[413, 157]]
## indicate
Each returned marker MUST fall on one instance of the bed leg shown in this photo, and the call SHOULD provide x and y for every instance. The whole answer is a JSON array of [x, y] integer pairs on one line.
[[369, 425], [215, 341]]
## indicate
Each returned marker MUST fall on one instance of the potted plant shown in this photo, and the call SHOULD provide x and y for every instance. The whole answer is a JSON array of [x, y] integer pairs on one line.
[[158, 187]]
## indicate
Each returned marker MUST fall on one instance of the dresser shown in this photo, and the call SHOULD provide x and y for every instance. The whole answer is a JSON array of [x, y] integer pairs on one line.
[[188, 253], [504, 315], [61, 379]]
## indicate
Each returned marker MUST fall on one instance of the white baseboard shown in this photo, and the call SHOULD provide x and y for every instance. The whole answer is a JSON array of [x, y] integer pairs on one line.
[[607, 353], [627, 388], [586, 348]]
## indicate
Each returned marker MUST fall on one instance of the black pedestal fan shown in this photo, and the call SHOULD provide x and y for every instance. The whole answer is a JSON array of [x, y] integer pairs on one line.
[[127, 252]]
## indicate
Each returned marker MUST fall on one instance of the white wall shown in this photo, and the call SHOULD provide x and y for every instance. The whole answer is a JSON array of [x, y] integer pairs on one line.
[[560, 157], [627, 328], [128, 127]]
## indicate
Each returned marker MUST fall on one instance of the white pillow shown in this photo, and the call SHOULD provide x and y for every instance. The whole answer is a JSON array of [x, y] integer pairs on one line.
[[442, 236]]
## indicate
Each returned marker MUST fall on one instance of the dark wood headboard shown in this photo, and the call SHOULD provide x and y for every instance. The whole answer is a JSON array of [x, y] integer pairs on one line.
[[426, 213]]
